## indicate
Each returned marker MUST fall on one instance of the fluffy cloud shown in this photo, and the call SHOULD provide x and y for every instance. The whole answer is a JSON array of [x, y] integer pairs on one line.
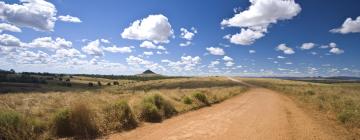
[[63, 53], [307, 46], [29, 57], [215, 51], [252, 51], [229, 64], [256, 19], [213, 64], [115, 49], [186, 34], [187, 43], [155, 28], [9, 40], [349, 26], [137, 62], [333, 48], [150, 45], [336, 51], [281, 57], [93, 48], [69, 18], [331, 45], [285, 49], [186, 63], [9, 27], [148, 53], [227, 58], [246, 37], [37, 14], [48, 42]]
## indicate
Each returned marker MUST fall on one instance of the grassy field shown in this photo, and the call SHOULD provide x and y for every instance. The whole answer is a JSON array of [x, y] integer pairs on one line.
[[338, 101], [52, 110]]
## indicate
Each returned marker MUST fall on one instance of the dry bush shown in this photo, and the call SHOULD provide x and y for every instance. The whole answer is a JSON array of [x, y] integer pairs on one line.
[[155, 108], [14, 126], [119, 116], [78, 121], [202, 98]]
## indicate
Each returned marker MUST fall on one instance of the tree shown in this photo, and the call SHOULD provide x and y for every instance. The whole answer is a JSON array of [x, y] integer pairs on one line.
[[12, 71]]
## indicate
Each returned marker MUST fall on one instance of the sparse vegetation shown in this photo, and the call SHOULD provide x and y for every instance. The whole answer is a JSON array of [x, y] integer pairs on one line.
[[14, 126], [109, 108], [155, 108], [77, 121], [202, 98], [187, 100], [119, 116]]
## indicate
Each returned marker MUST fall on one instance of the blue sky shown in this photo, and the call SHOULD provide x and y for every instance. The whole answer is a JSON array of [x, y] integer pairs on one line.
[[239, 37]]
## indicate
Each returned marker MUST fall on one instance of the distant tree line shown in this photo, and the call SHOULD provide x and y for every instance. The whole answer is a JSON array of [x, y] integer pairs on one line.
[[129, 77]]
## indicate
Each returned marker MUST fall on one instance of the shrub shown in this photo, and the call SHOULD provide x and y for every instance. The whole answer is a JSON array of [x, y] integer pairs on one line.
[[77, 121], [150, 113], [116, 83], [109, 84], [201, 97], [61, 124], [83, 121], [119, 116], [310, 92], [187, 100], [14, 126], [90, 84], [99, 83], [155, 108]]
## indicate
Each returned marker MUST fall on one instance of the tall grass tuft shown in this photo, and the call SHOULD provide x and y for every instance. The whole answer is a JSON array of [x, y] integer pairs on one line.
[[119, 116], [154, 108], [78, 121], [202, 98], [14, 126]]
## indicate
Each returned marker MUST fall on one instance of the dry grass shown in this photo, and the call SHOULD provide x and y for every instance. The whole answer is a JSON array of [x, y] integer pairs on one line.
[[340, 101], [44, 105]]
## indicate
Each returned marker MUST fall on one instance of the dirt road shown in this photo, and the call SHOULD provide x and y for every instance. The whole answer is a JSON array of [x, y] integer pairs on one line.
[[258, 114]]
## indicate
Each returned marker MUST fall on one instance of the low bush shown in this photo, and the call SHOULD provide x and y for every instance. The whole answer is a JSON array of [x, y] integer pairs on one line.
[[155, 108], [14, 126], [61, 124], [119, 116], [77, 121], [202, 98], [187, 100]]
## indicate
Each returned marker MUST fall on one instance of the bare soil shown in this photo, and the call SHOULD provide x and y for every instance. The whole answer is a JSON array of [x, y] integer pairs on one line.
[[257, 114]]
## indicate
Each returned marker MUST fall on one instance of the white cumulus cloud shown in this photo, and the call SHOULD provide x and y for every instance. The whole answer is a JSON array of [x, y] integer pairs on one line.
[[285, 49], [50, 43], [69, 18], [336, 51], [150, 45], [93, 48], [154, 28], [215, 51], [9, 27], [307, 46], [115, 49], [37, 14], [227, 58], [349, 26], [256, 19]]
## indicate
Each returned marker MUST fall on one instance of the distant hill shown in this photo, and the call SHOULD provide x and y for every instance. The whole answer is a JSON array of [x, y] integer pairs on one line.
[[148, 73]]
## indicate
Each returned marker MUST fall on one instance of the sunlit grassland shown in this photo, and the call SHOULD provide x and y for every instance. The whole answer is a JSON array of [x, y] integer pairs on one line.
[[56, 110]]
